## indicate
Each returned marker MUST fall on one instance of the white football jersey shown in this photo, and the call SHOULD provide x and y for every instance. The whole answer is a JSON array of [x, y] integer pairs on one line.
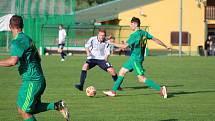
[[61, 36], [99, 50]]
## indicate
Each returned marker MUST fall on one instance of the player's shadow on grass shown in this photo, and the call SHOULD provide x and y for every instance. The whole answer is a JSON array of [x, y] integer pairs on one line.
[[127, 88], [174, 85], [145, 87], [136, 87], [169, 120], [173, 94], [140, 87]]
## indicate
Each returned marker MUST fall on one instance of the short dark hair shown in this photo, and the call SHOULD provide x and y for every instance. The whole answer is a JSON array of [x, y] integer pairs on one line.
[[16, 22], [136, 20], [61, 25], [102, 30]]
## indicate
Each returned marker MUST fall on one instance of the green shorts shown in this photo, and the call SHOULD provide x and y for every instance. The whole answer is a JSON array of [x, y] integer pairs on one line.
[[135, 65], [30, 94]]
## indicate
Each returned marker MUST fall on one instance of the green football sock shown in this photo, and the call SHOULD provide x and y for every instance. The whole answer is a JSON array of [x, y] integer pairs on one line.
[[42, 107], [152, 84], [31, 119], [117, 83]]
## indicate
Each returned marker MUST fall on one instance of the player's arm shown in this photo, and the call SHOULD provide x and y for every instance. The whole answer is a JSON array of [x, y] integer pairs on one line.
[[106, 57], [121, 45], [88, 51], [64, 33], [107, 52], [87, 46], [160, 43], [125, 45], [11, 61]]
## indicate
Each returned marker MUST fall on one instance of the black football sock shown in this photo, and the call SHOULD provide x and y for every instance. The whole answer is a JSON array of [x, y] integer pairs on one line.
[[114, 77], [83, 77]]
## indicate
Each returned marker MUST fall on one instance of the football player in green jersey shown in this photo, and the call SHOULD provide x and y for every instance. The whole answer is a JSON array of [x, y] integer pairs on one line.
[[137, 43], [24, 54]]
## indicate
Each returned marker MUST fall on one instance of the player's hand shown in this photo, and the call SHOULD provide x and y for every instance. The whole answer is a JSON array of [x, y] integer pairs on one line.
[[59, 50], [110, 38], [169, 48], [109, 42], [106, 59], [88, 54]]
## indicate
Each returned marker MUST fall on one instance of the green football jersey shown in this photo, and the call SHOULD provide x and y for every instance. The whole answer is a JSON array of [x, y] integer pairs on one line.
[[137, 42], [29, 66]]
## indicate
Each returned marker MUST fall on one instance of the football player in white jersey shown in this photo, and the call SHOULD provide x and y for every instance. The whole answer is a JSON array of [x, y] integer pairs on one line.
[[98, 51], [61, 41]]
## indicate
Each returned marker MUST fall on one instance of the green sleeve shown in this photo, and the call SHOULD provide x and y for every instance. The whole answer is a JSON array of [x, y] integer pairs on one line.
[[16, 49], [148, 36]]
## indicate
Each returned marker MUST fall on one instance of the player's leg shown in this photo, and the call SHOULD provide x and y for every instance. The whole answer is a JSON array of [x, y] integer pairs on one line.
[[29, 97], [59, 106], [26, 116], [114, 76], [126, 68], [38, 106], [153, 84], [117, 83], [60, 51], [106, 66], [62, 54], [112, 72], [120, 51], [148, 82], [139, 71], [87, 66], [25, 100], [82, 77], [120, 79], [42, 107], [59, 48]]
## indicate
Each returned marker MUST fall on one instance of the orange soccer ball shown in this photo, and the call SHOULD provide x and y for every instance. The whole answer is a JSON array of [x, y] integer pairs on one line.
[[91, 91]]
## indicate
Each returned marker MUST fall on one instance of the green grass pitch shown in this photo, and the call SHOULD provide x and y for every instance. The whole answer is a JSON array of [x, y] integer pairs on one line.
[[190, 82]]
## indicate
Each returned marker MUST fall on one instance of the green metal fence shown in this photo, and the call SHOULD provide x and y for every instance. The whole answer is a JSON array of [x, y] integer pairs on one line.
[[79, 34], [36, 14], [5, 39]]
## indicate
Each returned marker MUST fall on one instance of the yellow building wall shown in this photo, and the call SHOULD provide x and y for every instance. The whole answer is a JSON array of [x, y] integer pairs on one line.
[[163, 16]]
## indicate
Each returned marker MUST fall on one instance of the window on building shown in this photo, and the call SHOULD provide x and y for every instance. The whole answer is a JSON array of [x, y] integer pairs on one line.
[[175, 38]]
